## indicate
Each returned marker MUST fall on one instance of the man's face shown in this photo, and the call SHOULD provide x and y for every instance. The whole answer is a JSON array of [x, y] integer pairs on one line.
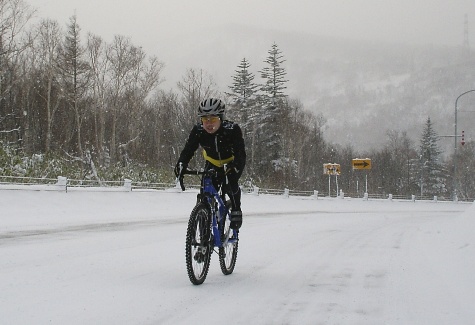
[[211, 123]]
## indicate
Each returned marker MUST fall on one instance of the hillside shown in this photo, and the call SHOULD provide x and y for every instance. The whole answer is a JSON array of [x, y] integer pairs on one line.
[[363, 89]]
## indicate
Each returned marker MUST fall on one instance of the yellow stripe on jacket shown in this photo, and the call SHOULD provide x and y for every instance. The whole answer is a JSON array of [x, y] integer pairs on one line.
[[217, 162]]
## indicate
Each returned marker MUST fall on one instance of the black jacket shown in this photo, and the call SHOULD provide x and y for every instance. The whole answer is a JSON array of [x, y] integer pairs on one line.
[[219, 146]]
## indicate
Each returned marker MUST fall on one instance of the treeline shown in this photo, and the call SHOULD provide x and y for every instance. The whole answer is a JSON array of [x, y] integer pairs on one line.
[[98, 108]]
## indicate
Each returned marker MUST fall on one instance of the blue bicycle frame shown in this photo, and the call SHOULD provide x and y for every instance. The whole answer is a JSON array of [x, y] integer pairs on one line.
[[219, 214]]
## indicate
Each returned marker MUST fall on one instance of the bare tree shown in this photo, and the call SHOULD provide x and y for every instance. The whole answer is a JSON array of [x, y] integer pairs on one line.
[[195, 86], [47, 48], [74, 70], [99, 64], [132, 80], [165, 136], [144, 79], [14, 15], [120, 69]]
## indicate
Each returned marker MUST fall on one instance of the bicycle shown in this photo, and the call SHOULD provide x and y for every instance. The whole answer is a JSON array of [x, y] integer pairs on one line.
[[209, 228]]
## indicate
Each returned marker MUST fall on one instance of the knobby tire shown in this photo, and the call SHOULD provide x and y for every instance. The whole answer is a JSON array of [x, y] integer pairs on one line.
[[198, 244], [228, 253]]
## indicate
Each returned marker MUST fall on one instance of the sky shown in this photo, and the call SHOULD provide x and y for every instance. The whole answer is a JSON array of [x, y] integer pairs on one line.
[[169, 28], [87, 256], [421, 21]]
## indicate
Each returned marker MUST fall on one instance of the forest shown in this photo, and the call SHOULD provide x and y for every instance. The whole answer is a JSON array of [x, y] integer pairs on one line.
[[77, 106]]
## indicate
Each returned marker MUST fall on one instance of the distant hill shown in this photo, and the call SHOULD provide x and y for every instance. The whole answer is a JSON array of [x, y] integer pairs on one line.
[[362, 88]]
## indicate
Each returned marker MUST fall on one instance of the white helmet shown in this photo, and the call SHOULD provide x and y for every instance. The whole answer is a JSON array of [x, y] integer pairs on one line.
[[211, 106]]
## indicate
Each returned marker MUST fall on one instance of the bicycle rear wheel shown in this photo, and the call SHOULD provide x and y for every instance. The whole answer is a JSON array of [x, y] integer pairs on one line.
[[198, 244], [228, 252]]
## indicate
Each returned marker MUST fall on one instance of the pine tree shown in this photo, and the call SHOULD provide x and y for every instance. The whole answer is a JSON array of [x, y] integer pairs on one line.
[[243, 94], [274, 76], [432, 174], [242, 108], [273, 103]]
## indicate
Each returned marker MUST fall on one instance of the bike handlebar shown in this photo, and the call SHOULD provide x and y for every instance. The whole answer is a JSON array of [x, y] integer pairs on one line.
[[210, 172]]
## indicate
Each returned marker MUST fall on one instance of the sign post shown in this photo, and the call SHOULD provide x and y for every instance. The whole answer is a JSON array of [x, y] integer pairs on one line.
[[331, 169], [362, 164]]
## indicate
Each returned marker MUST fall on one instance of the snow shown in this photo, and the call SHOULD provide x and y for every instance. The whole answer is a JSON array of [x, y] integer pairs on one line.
[[116, 257]]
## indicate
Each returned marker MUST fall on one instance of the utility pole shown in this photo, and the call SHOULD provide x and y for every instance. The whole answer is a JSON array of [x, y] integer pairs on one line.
[[455, 145]]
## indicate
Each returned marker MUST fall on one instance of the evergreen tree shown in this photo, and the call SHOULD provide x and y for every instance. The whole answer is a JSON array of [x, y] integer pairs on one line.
[[432, 173], [243, 109], [273, 103], [243, 94], [274, 76]]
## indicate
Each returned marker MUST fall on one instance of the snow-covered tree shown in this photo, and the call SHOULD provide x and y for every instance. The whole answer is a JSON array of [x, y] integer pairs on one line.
[[273, 102], [242, 95], [432, 173], [242, 107], [274, 76]]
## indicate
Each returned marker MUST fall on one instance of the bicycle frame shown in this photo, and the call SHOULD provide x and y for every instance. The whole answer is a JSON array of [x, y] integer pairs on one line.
[[217, 215]]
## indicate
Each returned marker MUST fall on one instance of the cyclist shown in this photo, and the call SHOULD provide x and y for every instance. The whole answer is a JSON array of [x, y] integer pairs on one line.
[[222, 144]]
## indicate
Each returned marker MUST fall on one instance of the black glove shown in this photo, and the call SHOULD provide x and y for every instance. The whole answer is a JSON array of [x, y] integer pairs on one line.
[[180, 168]]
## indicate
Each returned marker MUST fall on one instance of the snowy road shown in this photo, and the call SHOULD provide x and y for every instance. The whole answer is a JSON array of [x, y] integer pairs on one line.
[[118, 258]]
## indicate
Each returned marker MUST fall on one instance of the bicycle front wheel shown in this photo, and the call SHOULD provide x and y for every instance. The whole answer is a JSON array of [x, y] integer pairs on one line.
[[198, 244], [229, 249]]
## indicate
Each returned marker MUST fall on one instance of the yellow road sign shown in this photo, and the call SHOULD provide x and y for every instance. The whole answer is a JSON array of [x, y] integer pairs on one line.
[[331, 169], [361, 163]]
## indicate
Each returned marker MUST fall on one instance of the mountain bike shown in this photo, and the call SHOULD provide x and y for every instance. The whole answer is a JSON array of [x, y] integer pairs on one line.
[[208, 229]]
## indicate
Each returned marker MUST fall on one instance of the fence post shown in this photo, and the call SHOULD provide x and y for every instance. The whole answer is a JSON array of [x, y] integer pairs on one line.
[[128, 185], [315, 193], [286, 192], [413, 198], [62, 183]]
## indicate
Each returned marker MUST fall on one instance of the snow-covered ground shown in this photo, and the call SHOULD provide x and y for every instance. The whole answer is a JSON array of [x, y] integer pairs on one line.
[[92, 257]]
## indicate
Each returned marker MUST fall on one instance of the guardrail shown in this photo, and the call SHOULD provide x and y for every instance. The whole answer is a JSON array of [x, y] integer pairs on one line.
[[62, 184]]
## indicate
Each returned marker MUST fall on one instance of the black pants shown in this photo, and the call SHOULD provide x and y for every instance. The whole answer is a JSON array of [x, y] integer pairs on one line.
[[229, 184]]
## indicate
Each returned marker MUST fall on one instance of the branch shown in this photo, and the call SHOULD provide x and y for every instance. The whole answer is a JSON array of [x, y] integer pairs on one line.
[[124, 145], [10, 131]]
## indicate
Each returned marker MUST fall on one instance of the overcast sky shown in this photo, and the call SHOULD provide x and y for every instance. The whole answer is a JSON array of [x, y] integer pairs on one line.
[[416, 21], [153, 23]]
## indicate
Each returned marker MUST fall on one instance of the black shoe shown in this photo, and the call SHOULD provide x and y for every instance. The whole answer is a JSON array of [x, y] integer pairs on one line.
[[236, 219], [200, 254], [199, 257]]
